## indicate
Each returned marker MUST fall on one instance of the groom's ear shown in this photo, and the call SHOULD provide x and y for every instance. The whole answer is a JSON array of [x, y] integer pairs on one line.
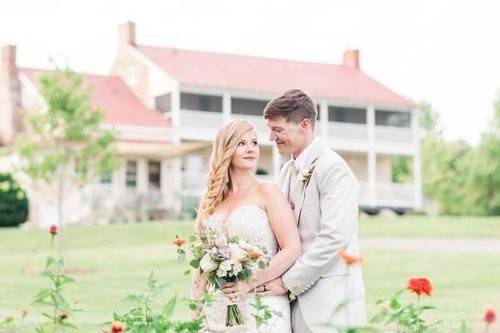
[[306, 124]]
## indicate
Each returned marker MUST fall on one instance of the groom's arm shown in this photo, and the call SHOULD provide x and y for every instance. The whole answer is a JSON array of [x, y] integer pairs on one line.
[[339, 212]]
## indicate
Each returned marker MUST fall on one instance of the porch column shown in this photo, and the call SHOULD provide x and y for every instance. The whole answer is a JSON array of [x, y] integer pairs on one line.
[[176, 114], [417, 169], [323, 120], [118, 179], [177, 174], [372, 156], [142, 176], [226, 106], [164, 182], [276, 164]]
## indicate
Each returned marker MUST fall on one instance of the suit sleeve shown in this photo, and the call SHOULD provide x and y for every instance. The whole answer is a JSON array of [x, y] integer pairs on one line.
[[339, 211]]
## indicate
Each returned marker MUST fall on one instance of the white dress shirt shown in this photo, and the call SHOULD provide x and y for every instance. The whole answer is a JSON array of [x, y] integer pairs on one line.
[[300, 160]]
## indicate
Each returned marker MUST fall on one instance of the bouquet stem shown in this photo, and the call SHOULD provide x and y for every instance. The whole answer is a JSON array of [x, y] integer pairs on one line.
[[234, 316]]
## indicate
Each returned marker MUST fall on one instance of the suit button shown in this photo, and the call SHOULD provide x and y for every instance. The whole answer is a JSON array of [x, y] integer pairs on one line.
[[292, 206]]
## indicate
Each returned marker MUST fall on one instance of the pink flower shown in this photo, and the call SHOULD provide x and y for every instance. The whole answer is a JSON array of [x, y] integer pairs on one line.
[[53, 230], [490, 316], [117, 327]]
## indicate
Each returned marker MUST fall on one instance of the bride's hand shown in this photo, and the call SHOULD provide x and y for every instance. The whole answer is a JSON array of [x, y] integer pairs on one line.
[[236, 289]]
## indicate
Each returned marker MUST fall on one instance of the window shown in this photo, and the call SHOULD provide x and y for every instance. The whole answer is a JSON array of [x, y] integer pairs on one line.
[[347, 115], [106, 178], [154, 174], [201, 102], [131, 174], [164, 103], [247, 106], [392, 118]]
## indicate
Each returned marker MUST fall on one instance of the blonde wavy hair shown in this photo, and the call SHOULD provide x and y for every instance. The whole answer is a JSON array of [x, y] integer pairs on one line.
[[218, 180]]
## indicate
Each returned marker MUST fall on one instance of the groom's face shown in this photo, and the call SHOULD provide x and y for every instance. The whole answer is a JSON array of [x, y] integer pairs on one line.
[[288, 136]]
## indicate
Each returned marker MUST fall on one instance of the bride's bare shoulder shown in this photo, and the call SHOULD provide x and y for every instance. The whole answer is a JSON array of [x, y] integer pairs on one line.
[[268, 190]]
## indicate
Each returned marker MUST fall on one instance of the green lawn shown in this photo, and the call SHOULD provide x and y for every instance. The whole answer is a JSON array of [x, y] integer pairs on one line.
[[109, 261]]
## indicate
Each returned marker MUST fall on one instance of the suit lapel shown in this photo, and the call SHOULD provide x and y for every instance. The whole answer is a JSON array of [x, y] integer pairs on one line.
[[302, 187]]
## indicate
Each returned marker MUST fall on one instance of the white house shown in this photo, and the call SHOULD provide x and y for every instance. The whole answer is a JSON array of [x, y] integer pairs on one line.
[[364, 121], [166, 104]]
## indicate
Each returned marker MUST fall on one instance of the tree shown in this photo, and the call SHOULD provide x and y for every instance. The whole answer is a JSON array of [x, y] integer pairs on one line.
[[429, 120], [401, 166], [65, 136], [485, 169]]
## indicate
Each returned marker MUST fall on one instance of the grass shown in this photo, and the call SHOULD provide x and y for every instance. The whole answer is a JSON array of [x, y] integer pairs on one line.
[[424, 226], [110, 261]]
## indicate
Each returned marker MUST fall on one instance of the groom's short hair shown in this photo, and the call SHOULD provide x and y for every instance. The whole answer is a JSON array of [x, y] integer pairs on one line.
[[293, 105]]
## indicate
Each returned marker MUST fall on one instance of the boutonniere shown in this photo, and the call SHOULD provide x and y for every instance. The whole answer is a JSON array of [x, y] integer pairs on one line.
[[304, 175]]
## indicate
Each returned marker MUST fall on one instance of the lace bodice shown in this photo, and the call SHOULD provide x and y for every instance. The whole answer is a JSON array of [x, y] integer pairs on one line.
[[250, 223]]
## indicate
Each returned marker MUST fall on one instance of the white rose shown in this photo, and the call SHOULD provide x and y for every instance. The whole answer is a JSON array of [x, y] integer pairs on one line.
[[207, 264], [237, 268], [225, 265], [221, 273]]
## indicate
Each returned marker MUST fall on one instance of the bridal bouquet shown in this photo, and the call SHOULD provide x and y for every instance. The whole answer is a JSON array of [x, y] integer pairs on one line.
[[222, 259]]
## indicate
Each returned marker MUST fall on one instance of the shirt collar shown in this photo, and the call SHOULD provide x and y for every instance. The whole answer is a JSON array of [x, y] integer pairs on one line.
[[302, 158]]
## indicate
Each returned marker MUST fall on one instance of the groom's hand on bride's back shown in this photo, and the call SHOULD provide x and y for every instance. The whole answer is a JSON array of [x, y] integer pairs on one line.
[[274, 287]]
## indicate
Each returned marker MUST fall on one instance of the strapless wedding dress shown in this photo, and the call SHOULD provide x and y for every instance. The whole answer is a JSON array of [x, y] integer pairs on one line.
[[249, 223]]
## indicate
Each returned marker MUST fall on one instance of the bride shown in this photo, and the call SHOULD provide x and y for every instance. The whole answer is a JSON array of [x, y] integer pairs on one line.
[[258, 213]]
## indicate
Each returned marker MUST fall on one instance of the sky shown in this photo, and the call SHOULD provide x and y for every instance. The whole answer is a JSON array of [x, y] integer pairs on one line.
[[443, 52]]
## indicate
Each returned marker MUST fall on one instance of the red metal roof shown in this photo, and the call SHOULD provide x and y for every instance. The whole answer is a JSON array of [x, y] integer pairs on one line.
[[119, 105], [272, 76]]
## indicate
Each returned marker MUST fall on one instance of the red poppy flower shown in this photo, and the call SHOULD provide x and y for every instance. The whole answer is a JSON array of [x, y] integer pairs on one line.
[[420, 286], [490, 316]]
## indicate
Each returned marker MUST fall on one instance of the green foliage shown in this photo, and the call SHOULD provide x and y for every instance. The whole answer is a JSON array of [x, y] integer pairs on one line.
[[10, 324], [401, 171], [397, 316], [60, 310], [13, 202], [462, 179], [141, 317], [445, 169], [263, 312], [429, 120], [485, 170]]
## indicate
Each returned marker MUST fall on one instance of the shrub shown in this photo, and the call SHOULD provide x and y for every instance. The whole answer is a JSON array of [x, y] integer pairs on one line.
[[13, 202]]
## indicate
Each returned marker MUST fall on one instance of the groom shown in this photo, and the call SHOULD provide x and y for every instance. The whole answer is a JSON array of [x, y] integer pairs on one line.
[[323, 193]]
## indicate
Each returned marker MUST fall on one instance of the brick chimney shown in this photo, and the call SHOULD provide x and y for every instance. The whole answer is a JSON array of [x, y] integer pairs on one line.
[[10, 93], [351, 59], [126, 35]]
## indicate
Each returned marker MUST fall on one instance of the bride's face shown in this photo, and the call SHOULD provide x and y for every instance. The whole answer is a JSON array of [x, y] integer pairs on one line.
[[247, 152]]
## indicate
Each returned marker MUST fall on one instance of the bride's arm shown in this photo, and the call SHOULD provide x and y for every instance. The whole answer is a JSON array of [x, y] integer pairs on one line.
[[285, 230], [198, 288]]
